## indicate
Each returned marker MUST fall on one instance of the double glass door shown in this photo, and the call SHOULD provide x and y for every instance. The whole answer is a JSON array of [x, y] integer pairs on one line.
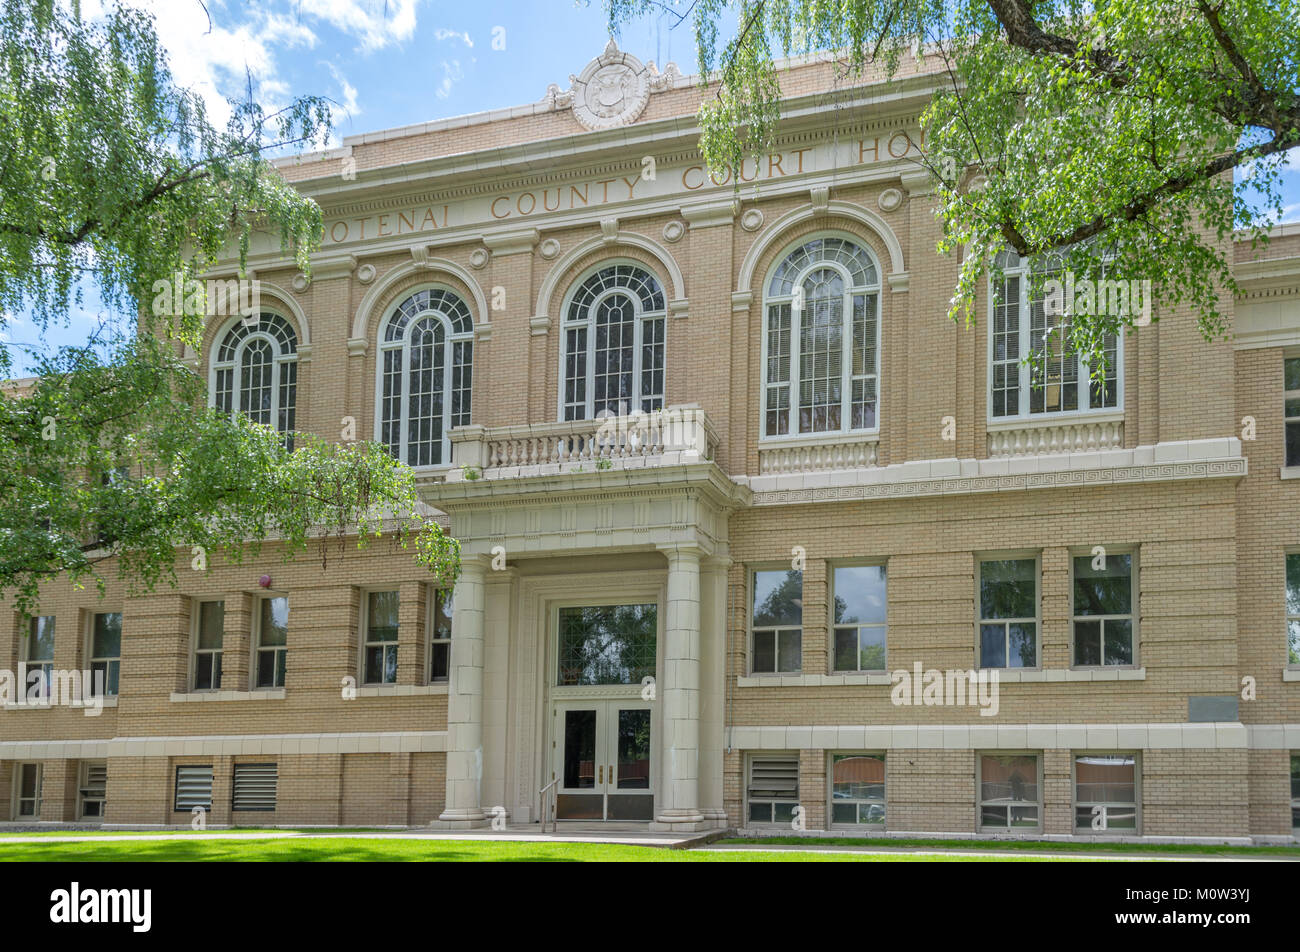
[[602, 759]]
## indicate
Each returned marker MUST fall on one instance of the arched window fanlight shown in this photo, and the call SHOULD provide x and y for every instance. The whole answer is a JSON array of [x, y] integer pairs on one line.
[[426, 358], [821, 346], [255, 372], [613, 344]]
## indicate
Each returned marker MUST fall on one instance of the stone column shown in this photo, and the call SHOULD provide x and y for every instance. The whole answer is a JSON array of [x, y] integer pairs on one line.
[[465, 702], [713, 686], [679, 693]]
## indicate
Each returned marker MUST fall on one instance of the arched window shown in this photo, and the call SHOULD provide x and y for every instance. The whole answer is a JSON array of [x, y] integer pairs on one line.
[[255, 372], [821, 348], [1026, 321], [613, 344], [426, 362]]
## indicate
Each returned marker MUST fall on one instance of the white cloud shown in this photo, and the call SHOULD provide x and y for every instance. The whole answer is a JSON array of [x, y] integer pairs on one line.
[[451, 74], [217, 58], [349, 91], [442, 33], [375, 22]]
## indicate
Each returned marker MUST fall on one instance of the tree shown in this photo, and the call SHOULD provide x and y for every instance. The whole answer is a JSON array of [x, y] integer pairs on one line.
[[1092, 133], [111, 174]]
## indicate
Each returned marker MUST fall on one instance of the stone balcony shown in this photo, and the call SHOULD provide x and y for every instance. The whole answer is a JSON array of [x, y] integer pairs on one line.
[[673, 436]]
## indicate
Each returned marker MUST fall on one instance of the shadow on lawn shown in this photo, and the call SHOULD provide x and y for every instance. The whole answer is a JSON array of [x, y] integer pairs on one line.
[[289, 851]]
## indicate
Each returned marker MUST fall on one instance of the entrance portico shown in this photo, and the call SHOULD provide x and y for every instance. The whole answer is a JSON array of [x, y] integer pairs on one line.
[[565, 578]]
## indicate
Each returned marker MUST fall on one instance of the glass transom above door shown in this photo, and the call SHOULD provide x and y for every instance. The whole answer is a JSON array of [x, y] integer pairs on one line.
[[606, 644]]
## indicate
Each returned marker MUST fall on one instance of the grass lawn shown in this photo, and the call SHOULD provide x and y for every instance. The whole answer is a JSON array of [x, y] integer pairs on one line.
[[356, 849], [1173, 849]]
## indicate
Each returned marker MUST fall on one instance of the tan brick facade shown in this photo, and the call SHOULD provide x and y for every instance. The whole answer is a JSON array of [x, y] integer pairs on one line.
[[1206, 515]]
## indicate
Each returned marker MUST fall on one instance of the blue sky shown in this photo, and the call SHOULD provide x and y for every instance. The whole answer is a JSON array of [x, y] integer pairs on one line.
[[395, 62]]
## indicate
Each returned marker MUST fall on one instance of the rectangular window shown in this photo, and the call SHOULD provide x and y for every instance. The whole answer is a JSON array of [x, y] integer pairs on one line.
[[857, 789], [1026, 321], [1008, 622], [207, 646], [380, 648], [773, 790], [858, 603], [253, 788], [1295, 791], [1103, 610], [777, 642], [1293, 609], [38, 652], [441, 609], [1105, 793], [193, 788], [607, 644], [92, 790], [29, 790], [106, 652], [272, 642], [1291, 409], [1009, 793]]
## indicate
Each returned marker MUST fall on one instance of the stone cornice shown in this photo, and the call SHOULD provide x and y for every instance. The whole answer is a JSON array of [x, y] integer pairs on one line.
[[585, 488], [974, 477]]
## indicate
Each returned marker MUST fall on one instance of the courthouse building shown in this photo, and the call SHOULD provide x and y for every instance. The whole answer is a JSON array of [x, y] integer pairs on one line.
[[719, 464]]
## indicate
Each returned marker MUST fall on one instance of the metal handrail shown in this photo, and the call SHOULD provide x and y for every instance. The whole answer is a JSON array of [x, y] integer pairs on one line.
[[551, 803]]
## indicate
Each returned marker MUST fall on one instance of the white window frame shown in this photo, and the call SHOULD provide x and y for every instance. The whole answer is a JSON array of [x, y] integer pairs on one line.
[[432, 643], [258, 647], [1133, 616], [792, 434], [750, 801], [451, 337], [981, 803], [1037, 619], [1288, 421], [106, 660], [196, 627], [1295, 791], [1291, 618], [640, 319], [284, 354], [364, 631], [833, 626], [31, 664], [1078, 804], [860, 802], [1022, 270], [85, 791], [777, 629], [19, 799]]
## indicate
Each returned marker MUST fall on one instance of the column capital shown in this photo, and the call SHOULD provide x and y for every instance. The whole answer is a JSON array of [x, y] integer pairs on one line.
[[676, 552]]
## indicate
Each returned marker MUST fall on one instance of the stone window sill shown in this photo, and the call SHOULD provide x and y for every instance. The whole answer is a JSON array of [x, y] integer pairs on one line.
[[1015, 676], [401, 690], [266, 694], [811, 680], [1290, 472], [1291, 674], [1036, 675]]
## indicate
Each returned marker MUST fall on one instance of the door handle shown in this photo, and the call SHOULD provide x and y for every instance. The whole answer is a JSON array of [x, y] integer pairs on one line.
[[600, 776], [611, 773]]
